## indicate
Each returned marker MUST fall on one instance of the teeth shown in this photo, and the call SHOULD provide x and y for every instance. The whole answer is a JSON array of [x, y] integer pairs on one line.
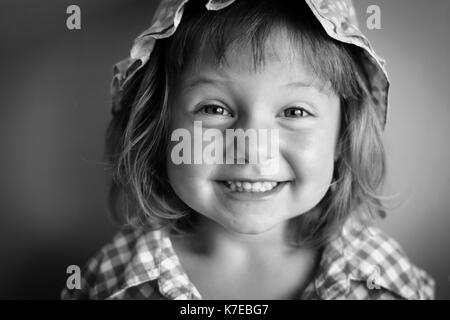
[[247, 186]]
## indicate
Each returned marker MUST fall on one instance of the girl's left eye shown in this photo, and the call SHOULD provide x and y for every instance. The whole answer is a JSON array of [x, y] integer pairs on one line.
[[295, 112], [214, 109]]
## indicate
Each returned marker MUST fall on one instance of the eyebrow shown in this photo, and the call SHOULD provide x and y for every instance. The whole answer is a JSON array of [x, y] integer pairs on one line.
[[302, 84], [204, 80], [199, 81]]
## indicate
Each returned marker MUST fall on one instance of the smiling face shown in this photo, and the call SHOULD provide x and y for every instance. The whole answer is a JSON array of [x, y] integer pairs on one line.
[[280, 94]]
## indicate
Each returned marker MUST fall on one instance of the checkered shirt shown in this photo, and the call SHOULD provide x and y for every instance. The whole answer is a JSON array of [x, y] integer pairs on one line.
[[361, 263]]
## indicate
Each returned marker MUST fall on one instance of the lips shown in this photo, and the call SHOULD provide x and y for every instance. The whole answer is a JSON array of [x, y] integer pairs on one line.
[[250, 190]]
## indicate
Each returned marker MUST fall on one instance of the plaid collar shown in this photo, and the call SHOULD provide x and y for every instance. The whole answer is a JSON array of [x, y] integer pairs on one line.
[[365, 257], [156, 261], [361, 263]]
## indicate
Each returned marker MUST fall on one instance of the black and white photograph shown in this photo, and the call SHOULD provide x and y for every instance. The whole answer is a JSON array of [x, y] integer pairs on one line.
[[229, 150]]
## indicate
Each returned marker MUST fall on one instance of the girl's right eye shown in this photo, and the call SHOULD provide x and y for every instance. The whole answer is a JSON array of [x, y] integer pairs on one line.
[[215, 110]]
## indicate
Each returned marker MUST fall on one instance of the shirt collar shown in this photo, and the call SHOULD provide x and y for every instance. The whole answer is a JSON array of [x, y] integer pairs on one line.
[[155, 260], [362, 253], [345, 258]]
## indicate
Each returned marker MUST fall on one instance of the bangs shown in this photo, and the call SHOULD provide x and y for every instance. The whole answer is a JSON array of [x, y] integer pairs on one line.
[[249, 24]]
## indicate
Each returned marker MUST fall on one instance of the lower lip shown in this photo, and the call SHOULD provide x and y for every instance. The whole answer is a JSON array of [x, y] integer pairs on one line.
[[250, 195]]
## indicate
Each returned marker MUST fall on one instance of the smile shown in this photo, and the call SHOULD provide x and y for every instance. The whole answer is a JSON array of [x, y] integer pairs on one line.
[[250, 190], [251, 186]]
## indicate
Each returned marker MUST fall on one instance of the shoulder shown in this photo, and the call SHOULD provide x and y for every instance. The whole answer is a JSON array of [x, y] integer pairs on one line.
[[366, 263], [125, 262]]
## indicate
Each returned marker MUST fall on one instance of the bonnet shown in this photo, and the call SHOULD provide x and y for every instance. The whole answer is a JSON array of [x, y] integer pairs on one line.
[[337, 17]]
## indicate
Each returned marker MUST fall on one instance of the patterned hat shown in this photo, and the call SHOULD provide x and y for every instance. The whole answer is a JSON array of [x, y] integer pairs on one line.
[[337, 17]]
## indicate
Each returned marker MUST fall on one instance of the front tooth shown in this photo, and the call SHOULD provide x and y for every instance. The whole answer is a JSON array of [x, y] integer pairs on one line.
[[247, 186], [256, 186]]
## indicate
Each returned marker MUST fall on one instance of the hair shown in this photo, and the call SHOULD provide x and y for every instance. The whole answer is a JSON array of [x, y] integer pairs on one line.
[[137, 136]]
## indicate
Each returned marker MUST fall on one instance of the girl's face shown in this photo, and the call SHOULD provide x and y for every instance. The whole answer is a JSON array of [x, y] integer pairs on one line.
[[281, 95]]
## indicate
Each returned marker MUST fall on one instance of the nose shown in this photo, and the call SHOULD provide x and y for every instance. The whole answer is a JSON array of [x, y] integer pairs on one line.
[[252, 140]]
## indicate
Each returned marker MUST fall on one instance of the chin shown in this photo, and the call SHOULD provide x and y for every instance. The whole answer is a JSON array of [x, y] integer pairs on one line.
[[248, 226]]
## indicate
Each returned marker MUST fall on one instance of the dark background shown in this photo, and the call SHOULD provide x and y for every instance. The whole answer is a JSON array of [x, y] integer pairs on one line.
[[54, 109]]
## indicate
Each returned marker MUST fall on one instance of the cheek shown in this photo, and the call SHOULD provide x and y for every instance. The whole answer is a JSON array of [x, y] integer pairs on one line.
[[312, 160], [311, 152], [193, 185], [191, 182]]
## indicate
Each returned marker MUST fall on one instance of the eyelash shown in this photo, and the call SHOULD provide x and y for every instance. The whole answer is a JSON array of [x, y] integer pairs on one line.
[[225, 112], [301, 112]]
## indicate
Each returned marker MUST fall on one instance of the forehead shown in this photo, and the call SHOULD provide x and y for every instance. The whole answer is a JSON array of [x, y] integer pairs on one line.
[[280, 56]]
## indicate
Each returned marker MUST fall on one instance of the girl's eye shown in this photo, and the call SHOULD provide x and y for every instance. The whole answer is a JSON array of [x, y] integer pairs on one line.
[[295, 112], [213, 109]]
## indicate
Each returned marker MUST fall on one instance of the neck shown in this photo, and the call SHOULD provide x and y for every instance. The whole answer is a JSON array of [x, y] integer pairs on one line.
[[211, 238]]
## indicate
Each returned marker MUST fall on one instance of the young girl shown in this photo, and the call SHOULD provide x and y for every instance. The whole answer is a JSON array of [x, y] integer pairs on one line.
[[198, 229]]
